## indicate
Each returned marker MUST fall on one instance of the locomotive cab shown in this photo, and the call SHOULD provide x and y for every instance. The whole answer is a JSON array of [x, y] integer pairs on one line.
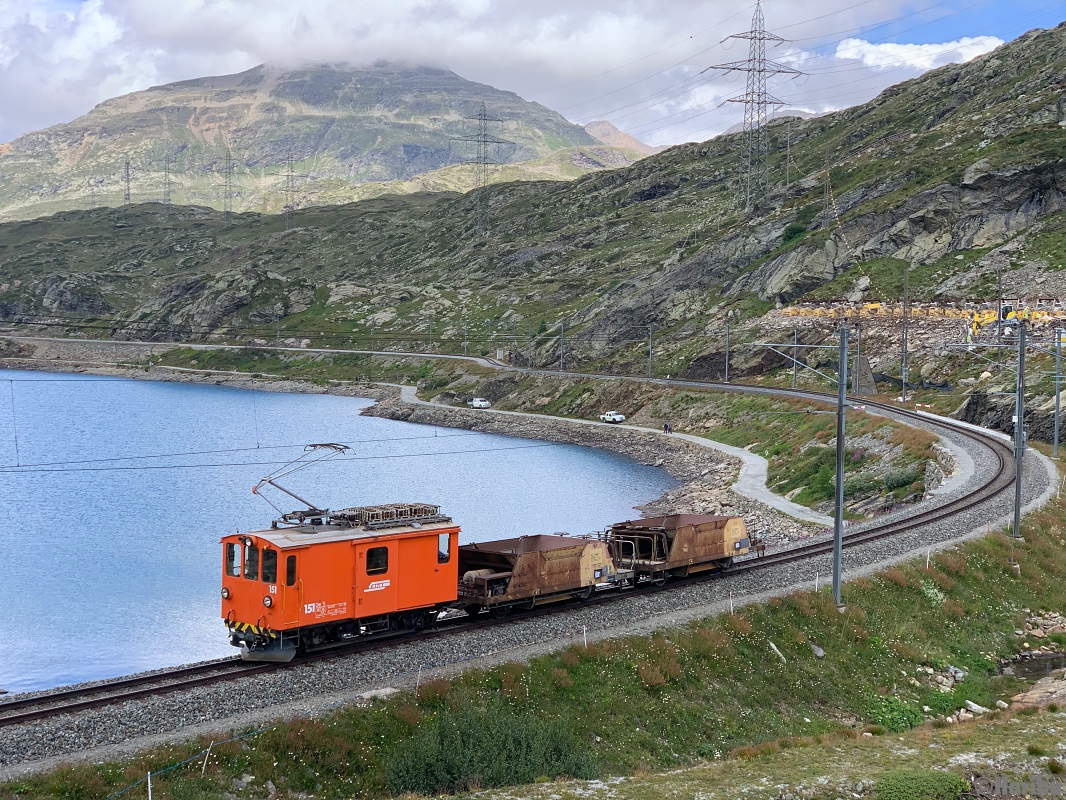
[[322, 581], [260, 597]]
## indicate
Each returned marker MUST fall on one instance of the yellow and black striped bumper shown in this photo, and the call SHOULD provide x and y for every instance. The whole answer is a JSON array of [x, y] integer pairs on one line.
[[245, 627]]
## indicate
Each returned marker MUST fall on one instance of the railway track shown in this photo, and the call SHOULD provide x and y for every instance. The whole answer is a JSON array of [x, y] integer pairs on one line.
[[18, 711]]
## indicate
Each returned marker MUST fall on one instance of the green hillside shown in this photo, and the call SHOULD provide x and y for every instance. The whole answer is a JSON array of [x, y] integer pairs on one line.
[[936, 171]]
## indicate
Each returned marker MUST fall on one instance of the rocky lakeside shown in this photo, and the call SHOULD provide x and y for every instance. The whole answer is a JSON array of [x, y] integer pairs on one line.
[[706, 475]]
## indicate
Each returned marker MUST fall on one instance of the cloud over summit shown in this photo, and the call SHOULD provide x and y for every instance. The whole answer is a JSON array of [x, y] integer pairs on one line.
[[636, 63]]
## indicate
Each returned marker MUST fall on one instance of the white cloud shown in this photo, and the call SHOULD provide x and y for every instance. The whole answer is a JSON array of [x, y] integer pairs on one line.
[[916, 56], [587, 58]]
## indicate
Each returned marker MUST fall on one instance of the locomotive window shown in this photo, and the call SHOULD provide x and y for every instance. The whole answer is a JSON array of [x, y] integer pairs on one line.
[[444, 548], [233, 561], [290, 571], [270, 566], [251, 562], [377, 560]]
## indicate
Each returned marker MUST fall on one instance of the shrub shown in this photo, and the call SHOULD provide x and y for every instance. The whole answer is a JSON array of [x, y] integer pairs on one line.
[[863, 483], [793, 231], [898, 478], [465, 748], [919, 784], [894, 714]]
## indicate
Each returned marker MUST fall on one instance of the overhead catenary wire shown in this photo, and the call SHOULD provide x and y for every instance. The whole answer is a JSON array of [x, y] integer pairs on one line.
[[156, 467]]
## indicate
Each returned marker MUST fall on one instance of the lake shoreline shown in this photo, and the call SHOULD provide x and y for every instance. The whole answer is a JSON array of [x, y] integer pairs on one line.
[[705, 475]]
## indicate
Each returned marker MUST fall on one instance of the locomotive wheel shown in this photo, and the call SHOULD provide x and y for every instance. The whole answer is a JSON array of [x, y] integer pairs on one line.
[[499, 612], [585, 595], [659, 580]]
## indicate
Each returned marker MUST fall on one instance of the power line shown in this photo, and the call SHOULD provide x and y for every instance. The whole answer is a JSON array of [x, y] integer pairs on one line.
[[156, 467], [227, 192], [229, 450], [482, 141], [755, 158], [290, 192], [166, 180]]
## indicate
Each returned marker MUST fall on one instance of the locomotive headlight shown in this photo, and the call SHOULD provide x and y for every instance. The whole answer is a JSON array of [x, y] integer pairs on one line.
[[267, 601], [225, 593]]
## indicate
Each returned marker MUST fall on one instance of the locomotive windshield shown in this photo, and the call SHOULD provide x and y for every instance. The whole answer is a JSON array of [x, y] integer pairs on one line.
[[233, 561], [251, 562]]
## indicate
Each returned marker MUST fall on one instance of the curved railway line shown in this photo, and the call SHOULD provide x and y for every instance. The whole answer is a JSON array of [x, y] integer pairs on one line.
[[1000, 478]]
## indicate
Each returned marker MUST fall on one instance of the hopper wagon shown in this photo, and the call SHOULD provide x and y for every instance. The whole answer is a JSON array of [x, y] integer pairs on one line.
[[518, 573], [677, 545]]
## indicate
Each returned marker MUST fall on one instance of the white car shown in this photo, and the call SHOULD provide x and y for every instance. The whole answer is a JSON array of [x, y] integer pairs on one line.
[[479, 402], [612, 417]]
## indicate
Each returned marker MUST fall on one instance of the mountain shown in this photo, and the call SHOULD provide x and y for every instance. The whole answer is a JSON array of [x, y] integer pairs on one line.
[[953, 173], [606, 132], [342, 125]]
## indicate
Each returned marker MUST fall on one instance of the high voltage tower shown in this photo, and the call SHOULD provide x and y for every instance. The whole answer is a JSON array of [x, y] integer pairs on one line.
[[227, 191], [126, 195], [481, 162], [166, 180], [755, 164], [290, 193]]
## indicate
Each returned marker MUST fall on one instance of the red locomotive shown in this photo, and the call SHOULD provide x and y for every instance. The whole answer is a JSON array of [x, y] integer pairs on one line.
[[330, 578]]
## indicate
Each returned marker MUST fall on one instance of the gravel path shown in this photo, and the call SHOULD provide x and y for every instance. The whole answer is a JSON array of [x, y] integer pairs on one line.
[[120, 730]]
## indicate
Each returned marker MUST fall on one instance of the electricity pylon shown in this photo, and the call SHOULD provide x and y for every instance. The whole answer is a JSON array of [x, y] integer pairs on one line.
[[755, 164], [481, 162]]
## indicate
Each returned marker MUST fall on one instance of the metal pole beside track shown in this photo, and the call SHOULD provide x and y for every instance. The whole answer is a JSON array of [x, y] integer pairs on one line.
[[855, 389], [651, 351], [906, 315], [795, 355], [1059, 333], [727, 351], [838, 520], [1019, 432]]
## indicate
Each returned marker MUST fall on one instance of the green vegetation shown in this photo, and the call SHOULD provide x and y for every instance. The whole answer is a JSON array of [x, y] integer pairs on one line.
[[913, 784], [467, 749], [704, 692]]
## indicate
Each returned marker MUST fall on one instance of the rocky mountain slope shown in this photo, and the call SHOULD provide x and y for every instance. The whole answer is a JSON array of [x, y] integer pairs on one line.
[[344, 127], [606, 132], [946, 172]]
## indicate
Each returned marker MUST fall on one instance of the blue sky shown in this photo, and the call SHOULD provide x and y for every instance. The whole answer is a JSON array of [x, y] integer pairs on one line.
[[636, 63]]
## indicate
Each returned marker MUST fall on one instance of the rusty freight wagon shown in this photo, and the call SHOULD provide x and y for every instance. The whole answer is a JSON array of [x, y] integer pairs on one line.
[[510, 574], [680, 544]]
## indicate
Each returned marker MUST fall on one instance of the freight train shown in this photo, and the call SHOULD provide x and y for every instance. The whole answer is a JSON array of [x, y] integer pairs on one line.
[[317, 579]]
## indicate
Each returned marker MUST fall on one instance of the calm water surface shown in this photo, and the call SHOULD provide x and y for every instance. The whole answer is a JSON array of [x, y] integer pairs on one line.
[[112, 566]]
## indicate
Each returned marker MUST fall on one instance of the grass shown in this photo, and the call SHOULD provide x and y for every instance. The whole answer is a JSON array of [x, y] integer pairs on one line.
[[711, 691], [316, 367]]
